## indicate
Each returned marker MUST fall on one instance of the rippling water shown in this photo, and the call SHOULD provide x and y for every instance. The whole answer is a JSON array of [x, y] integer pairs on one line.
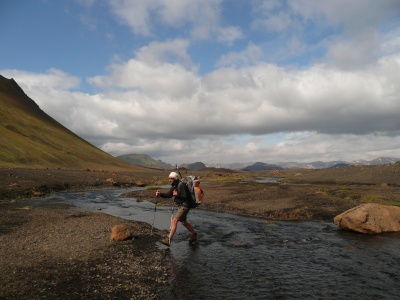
[[249, 258]]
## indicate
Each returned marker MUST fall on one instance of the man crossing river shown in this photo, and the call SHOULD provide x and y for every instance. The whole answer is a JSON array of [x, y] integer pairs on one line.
[[181, 196]]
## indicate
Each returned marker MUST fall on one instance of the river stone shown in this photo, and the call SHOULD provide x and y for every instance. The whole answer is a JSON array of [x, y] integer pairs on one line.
[[121, 233], [370, 218]]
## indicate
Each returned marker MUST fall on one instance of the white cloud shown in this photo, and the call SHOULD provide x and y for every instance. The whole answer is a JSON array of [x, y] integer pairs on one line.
[[274, 22], [172, 51], [391, 42], [272, 16], [162, 70], [302, 147], [169, 111], [167, 81], [228, 35], [140, 15], [356, 52], [251, 55], [135, 13], [53, 78], [346, 34], [355, 16]]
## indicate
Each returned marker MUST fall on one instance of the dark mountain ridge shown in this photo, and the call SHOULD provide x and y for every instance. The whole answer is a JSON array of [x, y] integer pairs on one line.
[[260, 166], [193, 166], [144, 160]]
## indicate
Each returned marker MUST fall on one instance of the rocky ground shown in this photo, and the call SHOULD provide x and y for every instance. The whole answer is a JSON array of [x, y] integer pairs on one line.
[[57, 253], [53, 252]]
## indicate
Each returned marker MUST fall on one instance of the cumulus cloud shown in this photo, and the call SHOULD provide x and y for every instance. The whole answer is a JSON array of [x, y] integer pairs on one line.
[[201, 15], [356, 52], [251, 55], [300, 147], [163, 70], [53, 78], [346, 34], [161, 52], [228, 35], [341, 13]]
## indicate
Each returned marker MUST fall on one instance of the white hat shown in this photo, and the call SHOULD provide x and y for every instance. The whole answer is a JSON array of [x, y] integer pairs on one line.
[[173, 175]]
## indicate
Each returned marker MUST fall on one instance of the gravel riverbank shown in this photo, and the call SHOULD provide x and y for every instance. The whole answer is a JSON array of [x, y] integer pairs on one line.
[[57, 253]]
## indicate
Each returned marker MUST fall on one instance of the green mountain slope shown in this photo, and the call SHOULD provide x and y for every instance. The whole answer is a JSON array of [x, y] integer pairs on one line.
[[144, 160], [31, 138]]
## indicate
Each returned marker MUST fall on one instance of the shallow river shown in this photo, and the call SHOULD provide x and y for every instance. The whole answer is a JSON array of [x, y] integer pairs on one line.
[[249, 258]]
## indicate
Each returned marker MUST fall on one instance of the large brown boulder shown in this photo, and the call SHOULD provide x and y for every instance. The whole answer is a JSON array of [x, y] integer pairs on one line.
[[121, 233], [370, 218]]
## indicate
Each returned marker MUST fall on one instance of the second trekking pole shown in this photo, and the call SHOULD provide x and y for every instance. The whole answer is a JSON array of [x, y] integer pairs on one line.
[[170, 227], [154, 215]]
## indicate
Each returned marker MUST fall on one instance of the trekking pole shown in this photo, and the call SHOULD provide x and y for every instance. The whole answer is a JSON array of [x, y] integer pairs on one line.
[[170, 226], [176, 166], [154, 216]]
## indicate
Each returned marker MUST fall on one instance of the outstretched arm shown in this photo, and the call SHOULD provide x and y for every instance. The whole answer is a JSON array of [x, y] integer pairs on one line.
[[168, 194]]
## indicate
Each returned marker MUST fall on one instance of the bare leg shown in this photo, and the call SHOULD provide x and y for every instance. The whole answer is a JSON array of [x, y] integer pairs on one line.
[[174, 222], [188, 226]]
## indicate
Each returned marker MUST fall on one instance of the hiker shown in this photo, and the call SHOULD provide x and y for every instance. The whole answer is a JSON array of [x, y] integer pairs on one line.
[[181, 196]]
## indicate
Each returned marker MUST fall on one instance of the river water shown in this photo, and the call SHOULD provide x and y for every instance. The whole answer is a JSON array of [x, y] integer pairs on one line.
[[249, 258]]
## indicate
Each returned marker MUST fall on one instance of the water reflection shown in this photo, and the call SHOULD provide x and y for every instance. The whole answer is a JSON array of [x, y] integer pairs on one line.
[[268, 180]]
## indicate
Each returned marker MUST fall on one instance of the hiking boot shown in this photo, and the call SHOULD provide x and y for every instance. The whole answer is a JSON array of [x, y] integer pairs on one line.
[[166, 242], [193, 238]]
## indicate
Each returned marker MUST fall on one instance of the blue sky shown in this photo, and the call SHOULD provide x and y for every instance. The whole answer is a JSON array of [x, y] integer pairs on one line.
[[211, 80]]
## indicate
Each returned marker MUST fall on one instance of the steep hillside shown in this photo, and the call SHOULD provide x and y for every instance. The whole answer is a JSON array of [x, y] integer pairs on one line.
[[30, 138]]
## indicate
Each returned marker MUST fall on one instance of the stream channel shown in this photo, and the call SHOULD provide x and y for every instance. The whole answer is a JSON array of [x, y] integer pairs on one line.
[[249, 258]]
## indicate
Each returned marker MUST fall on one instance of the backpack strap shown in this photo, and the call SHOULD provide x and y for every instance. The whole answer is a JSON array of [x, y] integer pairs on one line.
[[190, 202], [188, 197]]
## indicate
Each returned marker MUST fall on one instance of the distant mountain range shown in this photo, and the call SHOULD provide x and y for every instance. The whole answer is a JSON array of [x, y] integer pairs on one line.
[[144, 160], [307, 165], [147, 161]]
